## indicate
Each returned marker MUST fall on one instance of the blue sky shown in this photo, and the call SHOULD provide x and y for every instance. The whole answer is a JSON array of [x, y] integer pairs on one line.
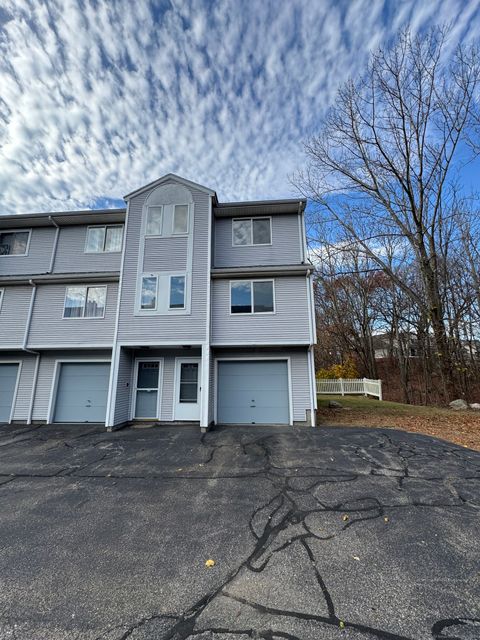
[[100, 97]]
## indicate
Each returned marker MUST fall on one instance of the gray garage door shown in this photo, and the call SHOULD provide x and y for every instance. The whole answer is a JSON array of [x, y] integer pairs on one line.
[[82, 392], [253, 392], [8, 380]]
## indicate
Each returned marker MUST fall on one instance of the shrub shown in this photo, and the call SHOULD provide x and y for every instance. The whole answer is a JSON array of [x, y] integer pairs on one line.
[[346, 370]]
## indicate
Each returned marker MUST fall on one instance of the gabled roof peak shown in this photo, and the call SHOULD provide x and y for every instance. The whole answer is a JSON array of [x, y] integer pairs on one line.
[[175, 178]]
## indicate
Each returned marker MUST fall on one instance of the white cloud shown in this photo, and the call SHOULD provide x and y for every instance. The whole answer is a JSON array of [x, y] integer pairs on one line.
[[101, 96]]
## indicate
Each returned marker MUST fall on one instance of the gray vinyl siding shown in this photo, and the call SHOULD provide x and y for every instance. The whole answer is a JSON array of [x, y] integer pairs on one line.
[[13, 315], [168, 385], [211, 388], [286, 245], [184, 327], [24, 389], [124, 387], [300, 380], [289, 323], [165, 254], [46, 373], [49, 328], [38, 258], [71, 257]]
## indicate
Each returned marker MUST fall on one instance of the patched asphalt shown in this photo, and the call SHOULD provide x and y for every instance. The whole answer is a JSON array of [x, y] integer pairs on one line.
[[331, 533]]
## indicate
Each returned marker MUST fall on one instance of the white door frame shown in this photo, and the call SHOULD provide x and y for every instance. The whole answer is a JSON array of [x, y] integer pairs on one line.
[[56, 373], [133, 404], [254, 359], [176, 386], [17, 383]]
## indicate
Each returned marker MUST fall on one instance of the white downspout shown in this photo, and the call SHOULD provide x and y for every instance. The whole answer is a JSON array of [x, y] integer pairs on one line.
[[55, 243], [29, 316], [206, 355], [35, 353], [311, 368], [115, 359], [34, 388]]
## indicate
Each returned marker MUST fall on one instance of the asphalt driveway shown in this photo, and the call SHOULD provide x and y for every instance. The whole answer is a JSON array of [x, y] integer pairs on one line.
[[315, 534]]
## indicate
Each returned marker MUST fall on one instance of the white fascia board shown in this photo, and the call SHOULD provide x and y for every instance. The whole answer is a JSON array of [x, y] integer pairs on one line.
[[170, 176]]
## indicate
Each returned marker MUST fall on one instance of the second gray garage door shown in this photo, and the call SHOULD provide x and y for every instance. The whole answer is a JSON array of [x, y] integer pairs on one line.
[[82, 392], [253, 392]]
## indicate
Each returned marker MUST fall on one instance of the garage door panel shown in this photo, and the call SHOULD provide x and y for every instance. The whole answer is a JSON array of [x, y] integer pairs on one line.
[[266, 367], [253, 392], [96, 396], [270, 399], [8, 382], [93, 382], [82, 392], [270, 415], [232, 397], [248, 382]]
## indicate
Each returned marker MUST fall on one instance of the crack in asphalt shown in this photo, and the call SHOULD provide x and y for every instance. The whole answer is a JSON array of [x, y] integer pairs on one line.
[[282, 521]]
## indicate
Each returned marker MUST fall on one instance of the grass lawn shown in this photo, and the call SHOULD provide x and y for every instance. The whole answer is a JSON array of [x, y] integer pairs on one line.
[[461, 427]]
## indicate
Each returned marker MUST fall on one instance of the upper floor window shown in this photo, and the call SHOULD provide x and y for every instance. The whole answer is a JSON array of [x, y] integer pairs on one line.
[[85, 302], [104, 239], [180, 219], [247, 232], [148, 300], [14, 243], [154, 221], [177, 292], [1, 298], [252, 296]]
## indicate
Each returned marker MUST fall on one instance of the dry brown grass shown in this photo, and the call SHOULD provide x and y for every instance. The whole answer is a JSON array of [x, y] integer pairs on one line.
[[460, 427]]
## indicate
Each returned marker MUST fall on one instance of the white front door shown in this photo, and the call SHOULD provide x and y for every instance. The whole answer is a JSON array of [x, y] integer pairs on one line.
[[187, 385]]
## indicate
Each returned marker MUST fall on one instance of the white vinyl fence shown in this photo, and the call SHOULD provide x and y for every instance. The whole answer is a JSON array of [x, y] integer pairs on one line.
[[350, 387]]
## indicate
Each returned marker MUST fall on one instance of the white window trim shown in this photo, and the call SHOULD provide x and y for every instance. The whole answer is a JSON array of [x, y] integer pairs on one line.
[[163, 295], [180, 233], [2, 295], [251, 243], [154, 235], [252, 312], [105, 227], [140, 308], [177, 275], [27, 248], [86, 287]]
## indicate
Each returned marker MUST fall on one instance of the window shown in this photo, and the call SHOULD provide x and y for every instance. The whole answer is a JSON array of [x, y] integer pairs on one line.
[[1, 298], [180, 219], [251, 296], [177, 292], [14, 243], [106, 239], [154, 221], [247, 232], [188, 391], [148, 300], [85, 302]]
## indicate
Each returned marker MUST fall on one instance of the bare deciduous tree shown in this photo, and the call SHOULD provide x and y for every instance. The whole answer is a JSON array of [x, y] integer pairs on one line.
[[383, 168]]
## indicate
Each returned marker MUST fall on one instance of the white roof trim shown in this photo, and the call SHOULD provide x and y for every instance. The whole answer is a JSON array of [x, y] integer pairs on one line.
[[170, 176]]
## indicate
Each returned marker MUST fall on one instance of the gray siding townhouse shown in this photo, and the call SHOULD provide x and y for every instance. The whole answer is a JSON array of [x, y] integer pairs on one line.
[[178, 308]]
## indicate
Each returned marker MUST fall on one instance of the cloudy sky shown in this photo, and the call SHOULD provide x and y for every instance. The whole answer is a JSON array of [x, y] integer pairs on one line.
[[98, 97]]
